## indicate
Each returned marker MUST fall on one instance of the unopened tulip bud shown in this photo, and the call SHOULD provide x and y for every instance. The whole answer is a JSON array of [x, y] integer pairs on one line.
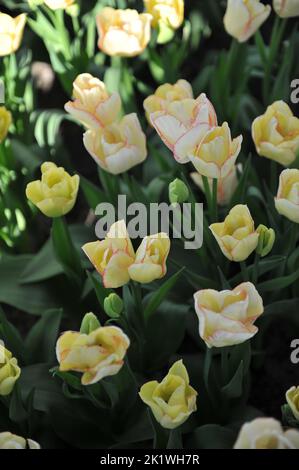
[[89, 323], [266, 240], [178, 191], [113, 305]]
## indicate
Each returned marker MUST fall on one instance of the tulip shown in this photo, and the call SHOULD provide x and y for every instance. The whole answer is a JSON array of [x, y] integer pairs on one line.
[[5, 122], [59, 4], [93, 106], [56, 193], [89, 323], [286, 8], [212, 151], [227, 317], [12, 441], [113, 305], [117, 147], [97, 355], [178, 192], [226, 187], [244, 17], [113, 256], [169, 12], [123, 32], [166, 94], [276, 134], [287, 199], [236, 236], [266, 433], [11, 33], [292, 397], [173, 400], [150, 261], [181, 121], [266, 240], [9, 372]]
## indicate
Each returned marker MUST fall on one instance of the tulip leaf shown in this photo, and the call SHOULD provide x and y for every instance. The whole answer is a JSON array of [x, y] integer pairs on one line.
[[43, 266], [17, 411], [92, 193], [211, 436], [235, 387], [101, 291], [11, 337], [278, 283], [158, 296], [41, 340], [31, 298], [65, 251]]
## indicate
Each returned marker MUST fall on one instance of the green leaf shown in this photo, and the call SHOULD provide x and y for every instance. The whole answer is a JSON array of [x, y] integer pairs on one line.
[[100, 290], [26, 155], [11, 337], [278, 283], [235, 387], [157, 297], [31, 298], [92, 193], [41, 340], [211, 436], [17, 411], [65, 251], [43, 266]]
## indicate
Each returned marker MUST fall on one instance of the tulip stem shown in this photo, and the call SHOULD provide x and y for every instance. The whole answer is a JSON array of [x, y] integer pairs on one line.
[[244, 271], [255, 273], [225, 365], [214, 199], [208, 195]]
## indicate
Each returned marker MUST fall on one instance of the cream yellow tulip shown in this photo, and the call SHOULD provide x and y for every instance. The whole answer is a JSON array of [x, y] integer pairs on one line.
[[286, 8], [276, 134], [11, 33], [123, 32], [236, 236], [170, 12], [56, 193], [9, 371], [227, 317], [181, 122], [12, 441], [97, 355], [93, 106], [118, 147], [292, 397], [150, 260], [5, 122], [173, 400], [166, 94], [113, 256], [287, 199], [266, 433], [244, 17]]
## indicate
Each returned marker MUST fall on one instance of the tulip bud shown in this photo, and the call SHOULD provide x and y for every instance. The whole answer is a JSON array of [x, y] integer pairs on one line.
[[11, 33], [113, 305], [178, 191], [73, 10], [89, 323], [266, 240]]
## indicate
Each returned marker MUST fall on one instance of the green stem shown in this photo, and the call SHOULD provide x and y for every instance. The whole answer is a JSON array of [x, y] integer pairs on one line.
[[244, 271], [255, 273], [225, 365], [214, 200], [208, 195]]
